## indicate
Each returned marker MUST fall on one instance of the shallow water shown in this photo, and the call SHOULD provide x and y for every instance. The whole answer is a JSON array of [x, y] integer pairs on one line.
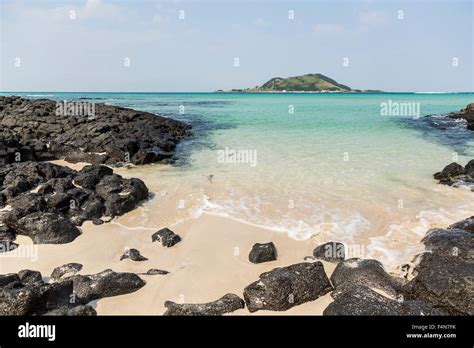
[[323, 166]]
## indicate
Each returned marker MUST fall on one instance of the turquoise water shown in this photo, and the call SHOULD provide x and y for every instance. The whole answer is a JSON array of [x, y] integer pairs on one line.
[[325, 166]]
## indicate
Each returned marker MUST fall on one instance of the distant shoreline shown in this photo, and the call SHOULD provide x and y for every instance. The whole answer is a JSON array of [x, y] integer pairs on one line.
[[225, 92]]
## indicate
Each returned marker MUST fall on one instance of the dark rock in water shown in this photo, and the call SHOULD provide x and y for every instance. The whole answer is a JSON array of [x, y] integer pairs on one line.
[[456, 175], [226, 304], [46, 228], [450, 242], [104, 284], [449, 172], [155, 271], [133, 254], [167, 237], [445, 282], [466, 224], [110, 135], [286, 287], [81, 310], [364, 272], [330, 251], [466, 114], [29, 277], [65, 271], [263, 252], [361, 300]]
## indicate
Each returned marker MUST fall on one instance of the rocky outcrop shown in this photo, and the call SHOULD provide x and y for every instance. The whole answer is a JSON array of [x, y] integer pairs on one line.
[[226, 304], [330, 252], [286, 287], [104, 284], [370, 273], [466, 114], [361, 300], [167, 237], [43, 129], [445, 274], [81, 310], [455, 174], [263, 252], [26, 293], [58, 203]]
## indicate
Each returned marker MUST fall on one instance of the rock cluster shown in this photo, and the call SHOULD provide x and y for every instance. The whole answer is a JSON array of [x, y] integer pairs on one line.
[[40, 130], [455, 174], [466, 114], [26, 293], [47, 202]]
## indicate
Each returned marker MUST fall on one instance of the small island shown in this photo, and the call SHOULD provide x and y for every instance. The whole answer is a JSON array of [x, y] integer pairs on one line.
[[309, 83]]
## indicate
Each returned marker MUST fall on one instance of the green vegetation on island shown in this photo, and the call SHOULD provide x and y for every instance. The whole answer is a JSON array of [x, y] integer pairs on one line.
[[304, 83]]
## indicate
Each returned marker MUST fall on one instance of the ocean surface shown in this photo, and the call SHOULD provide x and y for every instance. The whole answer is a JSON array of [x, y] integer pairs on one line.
[[323, 166]]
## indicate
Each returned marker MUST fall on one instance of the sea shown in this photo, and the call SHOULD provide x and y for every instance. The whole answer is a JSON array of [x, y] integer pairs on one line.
[[355, 168]]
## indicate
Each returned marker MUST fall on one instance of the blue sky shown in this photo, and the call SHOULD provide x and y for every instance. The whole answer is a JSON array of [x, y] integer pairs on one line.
[[86, 45]]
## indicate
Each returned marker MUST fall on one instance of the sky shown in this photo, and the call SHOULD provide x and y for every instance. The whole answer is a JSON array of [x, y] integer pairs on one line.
[[202, 45]]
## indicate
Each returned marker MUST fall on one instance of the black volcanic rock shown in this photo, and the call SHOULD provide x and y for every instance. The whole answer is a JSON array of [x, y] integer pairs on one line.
[[34, 299], [466, 224], [456, 175], [133, 254], [368, 272], [38, 130], [466, 114], [104, 284], [47, 228], [286, 287], [155, 271], [330, 251], [445, 282], [263, 252], [445, 274], [226, 304], [361, 300], [26, 294], [65, 271], [28, 276], [50, 213], [167, 237]]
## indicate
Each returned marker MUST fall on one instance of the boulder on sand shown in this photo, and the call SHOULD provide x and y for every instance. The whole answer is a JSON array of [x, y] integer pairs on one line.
[[167, 237], [286, 287], [263, 252], [226, 304]]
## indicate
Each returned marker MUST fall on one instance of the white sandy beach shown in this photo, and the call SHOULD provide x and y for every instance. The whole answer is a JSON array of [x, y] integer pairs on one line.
[[210, 261]]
